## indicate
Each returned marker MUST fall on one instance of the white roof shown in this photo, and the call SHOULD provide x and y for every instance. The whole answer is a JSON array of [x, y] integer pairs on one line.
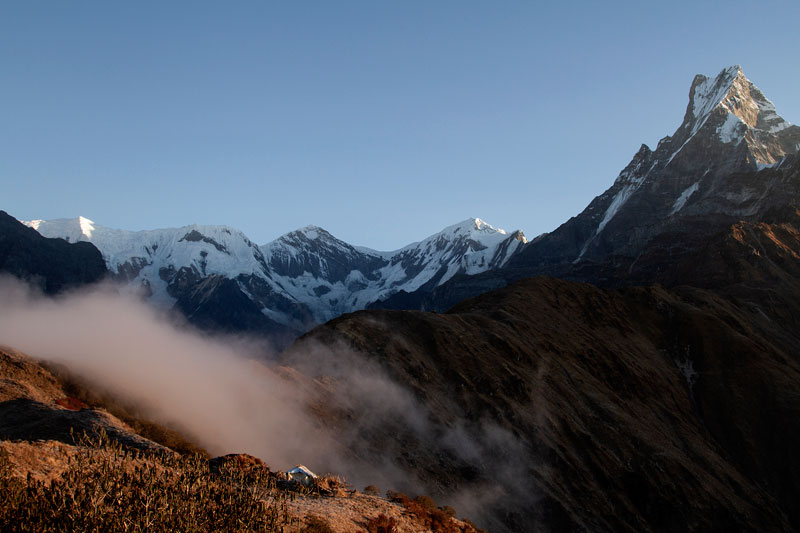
[[300, 469]]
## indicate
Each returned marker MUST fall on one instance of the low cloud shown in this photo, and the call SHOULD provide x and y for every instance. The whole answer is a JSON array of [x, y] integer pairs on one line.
[[226, 400]]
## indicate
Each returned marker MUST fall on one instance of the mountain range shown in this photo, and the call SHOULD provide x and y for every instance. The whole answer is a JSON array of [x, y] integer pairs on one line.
[[220, 279], [690, 187]]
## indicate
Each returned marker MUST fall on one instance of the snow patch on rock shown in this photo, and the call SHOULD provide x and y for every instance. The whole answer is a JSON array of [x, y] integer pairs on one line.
[[729, 131], [618, 201], [708, 94], [684, 197]]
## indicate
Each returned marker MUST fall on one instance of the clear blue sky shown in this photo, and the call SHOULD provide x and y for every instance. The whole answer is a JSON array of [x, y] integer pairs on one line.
[[380, 121]]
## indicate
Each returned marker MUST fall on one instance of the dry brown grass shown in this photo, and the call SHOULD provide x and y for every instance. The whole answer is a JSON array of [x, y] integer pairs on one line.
[[317, 524], [110, 488]]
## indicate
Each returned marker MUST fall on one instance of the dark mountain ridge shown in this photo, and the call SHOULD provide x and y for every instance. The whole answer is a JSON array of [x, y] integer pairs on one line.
[[53, 265]]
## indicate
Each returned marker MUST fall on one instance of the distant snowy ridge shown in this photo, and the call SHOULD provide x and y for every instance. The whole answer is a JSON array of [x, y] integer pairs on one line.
[[304, 277], [333, 277], [150, 258]]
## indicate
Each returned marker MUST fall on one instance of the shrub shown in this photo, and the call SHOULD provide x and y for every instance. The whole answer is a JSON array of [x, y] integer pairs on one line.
[[381, 524], [426, 502], [397, 497], [372, 490], [73, 404], [440, 522], [329, 485]]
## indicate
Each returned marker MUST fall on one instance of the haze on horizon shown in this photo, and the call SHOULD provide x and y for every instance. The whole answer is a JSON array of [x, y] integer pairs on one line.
[[382, 123]]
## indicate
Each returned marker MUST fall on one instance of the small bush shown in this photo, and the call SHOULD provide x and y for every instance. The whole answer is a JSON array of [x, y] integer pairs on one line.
[[426, 502], [329, 485], [372, 490], [381, 524], [440, 522], [449, 511], [397, 497]]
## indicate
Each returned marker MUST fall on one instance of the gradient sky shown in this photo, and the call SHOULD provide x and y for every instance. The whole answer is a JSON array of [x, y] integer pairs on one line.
[[382, 122]]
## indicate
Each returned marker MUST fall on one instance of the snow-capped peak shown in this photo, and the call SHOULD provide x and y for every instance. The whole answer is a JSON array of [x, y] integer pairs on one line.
[[481, 225], [87, 226], [152, 257], [311, 232], [472, 225], [730, 109], [707, 93], [737, 100], [71, 229]]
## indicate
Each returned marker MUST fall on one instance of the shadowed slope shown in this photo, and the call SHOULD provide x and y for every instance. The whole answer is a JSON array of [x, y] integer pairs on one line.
[[51, 264], [630, 410]]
